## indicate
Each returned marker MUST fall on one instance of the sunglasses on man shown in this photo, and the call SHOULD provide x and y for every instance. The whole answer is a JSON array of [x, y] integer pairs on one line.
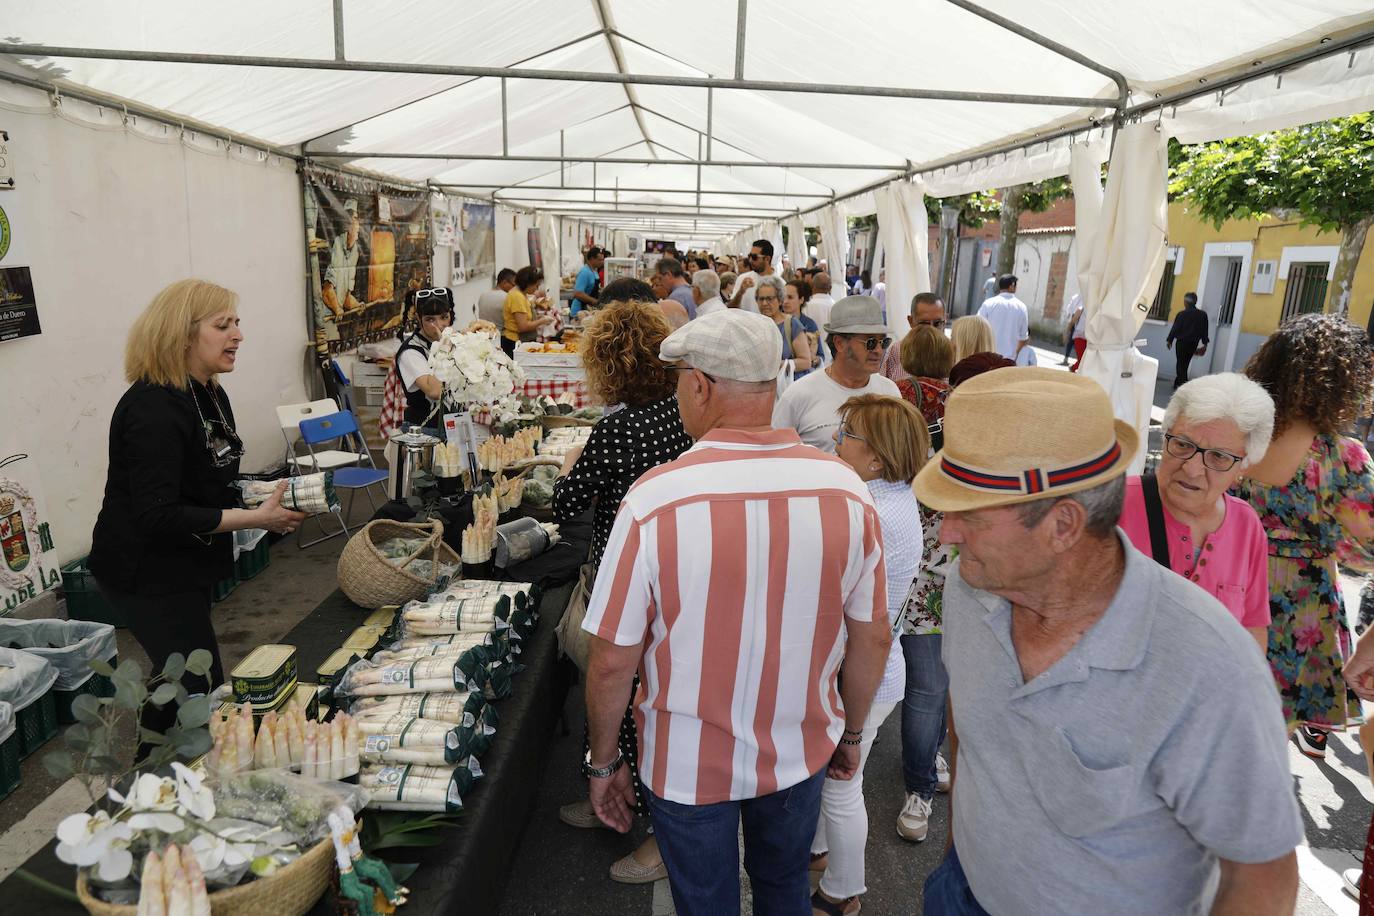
[[870, 343]]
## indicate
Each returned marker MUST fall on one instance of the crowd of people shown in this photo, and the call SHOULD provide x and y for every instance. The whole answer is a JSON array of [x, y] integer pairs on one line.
[[802, 526]]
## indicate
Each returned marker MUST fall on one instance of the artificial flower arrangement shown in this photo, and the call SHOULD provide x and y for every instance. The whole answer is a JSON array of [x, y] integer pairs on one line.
[[475, 371]]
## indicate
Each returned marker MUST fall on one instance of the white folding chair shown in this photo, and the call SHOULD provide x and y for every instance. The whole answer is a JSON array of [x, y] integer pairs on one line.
[[289, 417]]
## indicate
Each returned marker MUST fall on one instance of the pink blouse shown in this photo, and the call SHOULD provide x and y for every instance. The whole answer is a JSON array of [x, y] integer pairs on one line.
[[1234, 562]]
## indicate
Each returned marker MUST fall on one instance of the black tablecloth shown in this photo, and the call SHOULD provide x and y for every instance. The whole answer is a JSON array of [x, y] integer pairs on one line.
[[465, 873]]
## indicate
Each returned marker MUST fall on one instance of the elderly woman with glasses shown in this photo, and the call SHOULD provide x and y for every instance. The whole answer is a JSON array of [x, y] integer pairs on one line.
[[1215, 428], [796, 345]]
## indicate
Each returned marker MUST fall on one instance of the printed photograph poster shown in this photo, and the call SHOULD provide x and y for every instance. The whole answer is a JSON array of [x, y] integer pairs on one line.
[[18, 307], [367, 246], [28, 556], [478, 238]]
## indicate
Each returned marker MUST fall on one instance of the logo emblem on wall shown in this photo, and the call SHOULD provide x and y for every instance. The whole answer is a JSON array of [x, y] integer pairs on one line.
[[14, 539], [4, 234]]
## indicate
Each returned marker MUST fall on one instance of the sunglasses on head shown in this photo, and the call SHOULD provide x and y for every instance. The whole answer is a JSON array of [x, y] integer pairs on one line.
[[440, 292]]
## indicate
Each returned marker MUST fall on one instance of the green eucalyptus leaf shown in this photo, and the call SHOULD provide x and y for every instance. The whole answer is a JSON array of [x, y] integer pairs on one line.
[[163, 694], [104, 765], [59, 763], [86, 708], [194, 743], [148, 736], [182, 694], [174, 667], [101, 667], [195, 712], [130, 695], [199, 662], [128, 672]]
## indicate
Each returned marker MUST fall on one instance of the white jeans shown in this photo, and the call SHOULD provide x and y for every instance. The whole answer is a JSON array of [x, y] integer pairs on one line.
[[843, 826]]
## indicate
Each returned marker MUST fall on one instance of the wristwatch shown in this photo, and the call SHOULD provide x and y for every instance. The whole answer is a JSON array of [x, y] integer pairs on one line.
[[605, 772]]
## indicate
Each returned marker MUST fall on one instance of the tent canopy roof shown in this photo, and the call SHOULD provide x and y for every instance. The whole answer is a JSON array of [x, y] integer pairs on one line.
[[345, 95]]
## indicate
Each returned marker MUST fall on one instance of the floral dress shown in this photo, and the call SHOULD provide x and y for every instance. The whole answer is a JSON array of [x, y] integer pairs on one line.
[[1324, 514]]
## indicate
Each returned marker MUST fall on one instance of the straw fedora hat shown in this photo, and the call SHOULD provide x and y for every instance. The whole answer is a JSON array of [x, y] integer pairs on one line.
[[1020, 434]]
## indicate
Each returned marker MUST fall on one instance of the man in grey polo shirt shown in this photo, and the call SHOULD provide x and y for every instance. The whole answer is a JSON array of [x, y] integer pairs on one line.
[[1119, 746]]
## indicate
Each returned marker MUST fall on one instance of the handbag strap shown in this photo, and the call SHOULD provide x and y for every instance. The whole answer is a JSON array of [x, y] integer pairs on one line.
[[1154, 514]]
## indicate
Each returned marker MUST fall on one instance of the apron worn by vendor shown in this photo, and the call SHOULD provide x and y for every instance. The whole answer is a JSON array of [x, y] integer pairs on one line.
[[420, 410]]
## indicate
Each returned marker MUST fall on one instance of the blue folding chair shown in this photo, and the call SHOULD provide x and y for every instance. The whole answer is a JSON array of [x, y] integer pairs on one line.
[[343, 427]]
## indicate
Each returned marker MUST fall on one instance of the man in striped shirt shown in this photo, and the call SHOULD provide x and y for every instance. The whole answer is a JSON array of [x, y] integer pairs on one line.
[[737, 580]]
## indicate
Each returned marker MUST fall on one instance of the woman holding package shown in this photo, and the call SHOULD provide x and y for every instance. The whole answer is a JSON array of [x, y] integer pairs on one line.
[[620, 352], [1216, 427], [1314, 494], [884, 440], [163, 537]]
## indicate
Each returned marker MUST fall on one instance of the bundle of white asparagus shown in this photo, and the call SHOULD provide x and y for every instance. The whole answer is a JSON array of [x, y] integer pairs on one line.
[[173, 884], [472, 588], [564, 439], [434, 674], [402, 739], [456, 644], [508, 493], [304, 493], [499, 452], [448, 460], [478, 543], [453, 614], [453, 708], [283, 739], [485, 509], [415, 787]]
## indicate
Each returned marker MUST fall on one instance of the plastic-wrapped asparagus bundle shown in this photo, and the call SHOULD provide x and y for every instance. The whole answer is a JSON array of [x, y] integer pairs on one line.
[[479, 668], [414, 787], [304, 493], [407, 740], [453, 645], [454, 615], [453, 708]]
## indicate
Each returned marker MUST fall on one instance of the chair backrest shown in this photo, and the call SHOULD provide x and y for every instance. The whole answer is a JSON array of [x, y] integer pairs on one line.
[[289, 416], [332, 426]]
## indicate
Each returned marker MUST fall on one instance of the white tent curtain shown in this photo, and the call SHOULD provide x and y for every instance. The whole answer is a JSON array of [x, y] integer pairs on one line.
[[796, 242], [1121, 235], [902, 235], [834, 241], [549, 227]]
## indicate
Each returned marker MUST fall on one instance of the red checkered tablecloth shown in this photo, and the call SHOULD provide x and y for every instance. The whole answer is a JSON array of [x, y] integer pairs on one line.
[[535, 388]]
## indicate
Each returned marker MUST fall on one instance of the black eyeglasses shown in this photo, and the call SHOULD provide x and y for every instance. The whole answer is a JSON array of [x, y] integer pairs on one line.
[[709, 378], [872, 343], [1213, 459]]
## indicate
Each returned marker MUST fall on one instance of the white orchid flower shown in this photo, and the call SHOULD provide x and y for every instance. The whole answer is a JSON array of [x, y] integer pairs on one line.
[[97, 841], [193, 797], [164, 821]]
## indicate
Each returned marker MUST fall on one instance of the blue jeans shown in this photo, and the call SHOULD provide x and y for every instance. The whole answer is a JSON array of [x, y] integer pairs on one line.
[[923, 711], [947, 893], [700, 849]]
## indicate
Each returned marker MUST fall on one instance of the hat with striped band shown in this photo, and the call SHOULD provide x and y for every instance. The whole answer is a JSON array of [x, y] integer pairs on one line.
[[1020, 434]]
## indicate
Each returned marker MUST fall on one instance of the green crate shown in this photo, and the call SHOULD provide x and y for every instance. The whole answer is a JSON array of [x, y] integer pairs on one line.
[[97, 685], [9, 764], [223, 587], [252, 562], [84, 600], [36, 723]]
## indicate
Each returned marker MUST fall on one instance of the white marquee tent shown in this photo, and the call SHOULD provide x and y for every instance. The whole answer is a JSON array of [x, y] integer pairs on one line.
[[721, 120]]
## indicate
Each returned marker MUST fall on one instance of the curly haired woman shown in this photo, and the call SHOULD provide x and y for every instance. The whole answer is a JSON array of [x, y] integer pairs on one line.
[[620, 353], [1314, 493]]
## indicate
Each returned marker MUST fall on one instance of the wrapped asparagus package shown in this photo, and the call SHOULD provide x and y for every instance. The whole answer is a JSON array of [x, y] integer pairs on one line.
[[415, 787], [453, 708], [483, 668], [305, 493], [297, 805]]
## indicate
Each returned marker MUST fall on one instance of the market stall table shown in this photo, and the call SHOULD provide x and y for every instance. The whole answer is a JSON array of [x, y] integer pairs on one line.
[[467, 871]]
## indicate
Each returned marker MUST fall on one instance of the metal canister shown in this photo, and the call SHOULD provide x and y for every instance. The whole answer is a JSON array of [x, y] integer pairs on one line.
[[414, 453]]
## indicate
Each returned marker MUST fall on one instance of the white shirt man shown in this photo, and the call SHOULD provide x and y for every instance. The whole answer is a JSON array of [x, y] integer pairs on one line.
[[811, 405], [761, 265], [821, 302], [1008, 317], [706, 292]]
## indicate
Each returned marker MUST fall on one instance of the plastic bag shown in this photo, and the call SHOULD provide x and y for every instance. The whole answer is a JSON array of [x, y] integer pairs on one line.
[[523, 539], [69, 645], [304, 493], [24, 678], [6, 722], [415, 787], [281, 798]]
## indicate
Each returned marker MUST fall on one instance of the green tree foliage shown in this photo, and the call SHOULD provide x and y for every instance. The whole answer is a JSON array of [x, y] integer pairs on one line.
[[1322, 172]]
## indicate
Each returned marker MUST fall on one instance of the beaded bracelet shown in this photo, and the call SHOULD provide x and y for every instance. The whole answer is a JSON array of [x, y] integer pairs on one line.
[[852, 742]]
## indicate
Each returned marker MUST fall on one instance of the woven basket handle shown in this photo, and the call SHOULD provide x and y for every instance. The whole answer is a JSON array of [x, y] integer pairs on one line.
[[431, 543]]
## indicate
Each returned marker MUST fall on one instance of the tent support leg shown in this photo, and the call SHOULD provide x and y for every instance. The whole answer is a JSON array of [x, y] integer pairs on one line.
[[338, 30], [739, 38], [505, 128]]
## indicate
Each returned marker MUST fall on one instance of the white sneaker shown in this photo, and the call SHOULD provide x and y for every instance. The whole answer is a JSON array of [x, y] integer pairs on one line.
[[942, 781], [914, 821], [1350, 878]]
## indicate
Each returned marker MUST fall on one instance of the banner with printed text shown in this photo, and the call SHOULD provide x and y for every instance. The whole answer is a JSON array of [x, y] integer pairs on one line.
[[367, 245]]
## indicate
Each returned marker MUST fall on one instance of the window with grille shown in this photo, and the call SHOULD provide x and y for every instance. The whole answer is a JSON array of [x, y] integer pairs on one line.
[[1159, 309], [1306, 289]]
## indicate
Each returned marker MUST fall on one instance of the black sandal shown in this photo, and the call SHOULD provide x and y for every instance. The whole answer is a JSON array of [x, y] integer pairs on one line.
[[819, 902]]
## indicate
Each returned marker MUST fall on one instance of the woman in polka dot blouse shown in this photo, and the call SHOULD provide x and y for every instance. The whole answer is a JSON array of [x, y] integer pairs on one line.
[[620, 353]]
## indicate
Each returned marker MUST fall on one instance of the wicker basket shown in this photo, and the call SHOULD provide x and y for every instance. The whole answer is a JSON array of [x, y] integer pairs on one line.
[[371, 581], [290, 891]]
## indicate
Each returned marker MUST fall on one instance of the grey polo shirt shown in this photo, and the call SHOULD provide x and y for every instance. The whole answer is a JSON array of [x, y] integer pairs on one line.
[[1114, 781]]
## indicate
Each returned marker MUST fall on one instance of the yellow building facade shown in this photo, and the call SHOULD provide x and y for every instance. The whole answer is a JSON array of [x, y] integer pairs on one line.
[[1281, 241]]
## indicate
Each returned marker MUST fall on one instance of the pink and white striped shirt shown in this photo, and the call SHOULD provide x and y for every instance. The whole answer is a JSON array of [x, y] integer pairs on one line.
[[735, 567]]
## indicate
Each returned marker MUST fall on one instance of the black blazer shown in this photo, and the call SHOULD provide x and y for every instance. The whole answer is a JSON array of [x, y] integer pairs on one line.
[[162, 493]]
